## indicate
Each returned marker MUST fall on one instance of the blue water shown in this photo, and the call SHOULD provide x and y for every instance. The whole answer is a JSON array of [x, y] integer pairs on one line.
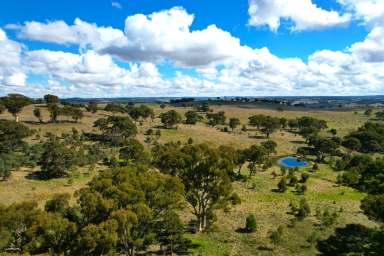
[[291, 161]]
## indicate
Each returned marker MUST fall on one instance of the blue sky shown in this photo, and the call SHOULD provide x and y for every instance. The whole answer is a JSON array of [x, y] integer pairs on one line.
[[316, 47]]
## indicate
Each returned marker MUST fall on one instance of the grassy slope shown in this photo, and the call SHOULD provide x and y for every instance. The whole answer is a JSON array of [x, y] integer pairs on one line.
[[269, 207]]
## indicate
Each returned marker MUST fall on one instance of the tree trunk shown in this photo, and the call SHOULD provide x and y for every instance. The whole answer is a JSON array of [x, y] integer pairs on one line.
[[16, 118]]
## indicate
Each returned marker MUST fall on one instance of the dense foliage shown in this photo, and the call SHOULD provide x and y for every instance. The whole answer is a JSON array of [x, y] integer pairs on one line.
[[368, 138]]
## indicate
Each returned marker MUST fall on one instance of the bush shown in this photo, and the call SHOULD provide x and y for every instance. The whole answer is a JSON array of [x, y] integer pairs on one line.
[[303, 210], [282, 185], [235, 199], [301, 188], [250, 223], [315, 168], [304, 177], [277, 235]]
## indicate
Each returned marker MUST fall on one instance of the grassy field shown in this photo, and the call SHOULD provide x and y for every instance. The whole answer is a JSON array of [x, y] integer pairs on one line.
[[270, 208]]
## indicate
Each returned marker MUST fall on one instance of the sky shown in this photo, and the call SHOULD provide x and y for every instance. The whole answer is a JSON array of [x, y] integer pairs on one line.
[[131, 48]]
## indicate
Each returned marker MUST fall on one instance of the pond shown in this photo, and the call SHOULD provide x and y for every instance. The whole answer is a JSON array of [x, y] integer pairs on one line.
[[291, 161]]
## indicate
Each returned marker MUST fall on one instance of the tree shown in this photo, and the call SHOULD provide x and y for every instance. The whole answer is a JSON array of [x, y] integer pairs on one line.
[[54, 111], [92, 107], [352, 143], [137, 199], [206, 181], [310, 127], [16, 220], [170, 118], [51, 99], [133, 152], [114, 108], [38, 115], [142, 111], [171, 235], [192, 117], [216, 118], [12, 135], [370, 136], [270, 146], [96, 239], [75, 113], [9, 162], [116, 127], [233, 123], [169, 158], [323, 147], [269, 125], [283, 122], [256, 156], [353, 239], [256, 120], [51, 233], [293, 123], [373, 207], [57, 159], [250, 223], [59, 203], [128, 230], [15, 103]]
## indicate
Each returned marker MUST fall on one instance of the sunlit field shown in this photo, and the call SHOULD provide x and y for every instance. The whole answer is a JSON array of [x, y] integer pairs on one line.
[[257, 193]]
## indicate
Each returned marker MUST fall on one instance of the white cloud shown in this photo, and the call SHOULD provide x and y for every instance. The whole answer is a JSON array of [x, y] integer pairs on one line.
[[11, 73], [86, 68], [223, 65], [372, 48], [82, 33], [166, 35], [163, 35], [303, 13], [116, 5], [371, 11]]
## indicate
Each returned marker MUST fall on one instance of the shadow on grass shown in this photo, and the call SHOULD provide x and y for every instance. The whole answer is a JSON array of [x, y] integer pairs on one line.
[[260, 137], [297, 142], [34, 122], [38, 175], [243, 231]]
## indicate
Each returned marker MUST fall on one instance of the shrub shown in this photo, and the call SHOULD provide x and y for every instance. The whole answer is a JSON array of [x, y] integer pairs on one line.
[[250, 223], [304, 177], [277, 235], [235, 199], [282, 185], [303, 210]]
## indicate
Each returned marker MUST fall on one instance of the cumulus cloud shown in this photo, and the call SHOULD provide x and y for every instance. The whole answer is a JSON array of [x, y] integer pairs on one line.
[[222, 64], [166, 35], [11, 73], [303, 13], [87, 68], [82, 33], [372, 48], [163, 35], [371, 11]]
